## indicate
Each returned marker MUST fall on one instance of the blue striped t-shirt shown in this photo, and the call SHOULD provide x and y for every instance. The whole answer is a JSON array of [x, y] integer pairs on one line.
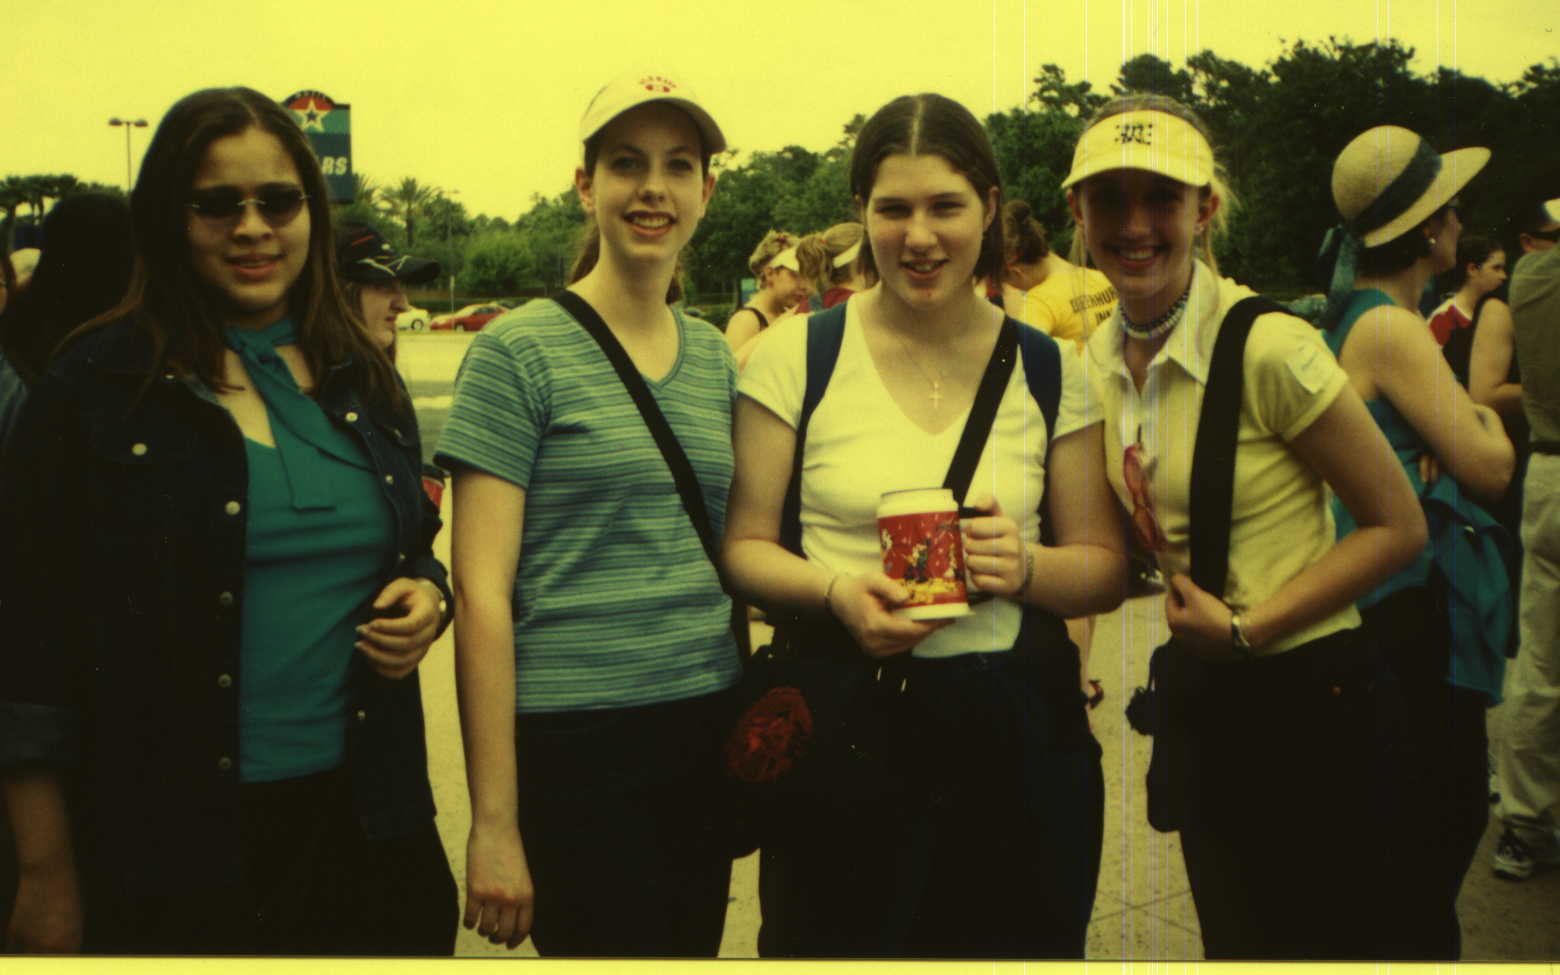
[[615, 602]]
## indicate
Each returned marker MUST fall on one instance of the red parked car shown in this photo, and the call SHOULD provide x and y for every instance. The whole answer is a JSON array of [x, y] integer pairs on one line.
[[469, 319]]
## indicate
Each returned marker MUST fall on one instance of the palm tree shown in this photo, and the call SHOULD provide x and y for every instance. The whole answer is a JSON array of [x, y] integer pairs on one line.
[[406, 203], [12, 196], [364, 189]]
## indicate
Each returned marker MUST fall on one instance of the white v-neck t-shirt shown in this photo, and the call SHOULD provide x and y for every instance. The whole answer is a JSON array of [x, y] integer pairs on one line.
[[860, 445]]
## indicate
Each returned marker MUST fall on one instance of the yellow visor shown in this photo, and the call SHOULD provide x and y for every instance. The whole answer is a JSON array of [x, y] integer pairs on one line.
[[1156, 142]]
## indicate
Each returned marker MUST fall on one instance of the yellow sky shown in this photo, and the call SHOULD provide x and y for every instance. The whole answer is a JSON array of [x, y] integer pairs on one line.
[[483, 96]]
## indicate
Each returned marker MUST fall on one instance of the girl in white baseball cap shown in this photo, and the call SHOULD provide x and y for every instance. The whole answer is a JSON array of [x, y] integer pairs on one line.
[[1272, 798], [595, 645]]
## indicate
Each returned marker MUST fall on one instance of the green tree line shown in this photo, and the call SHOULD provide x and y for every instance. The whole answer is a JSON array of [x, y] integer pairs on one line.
[[1276, 130]]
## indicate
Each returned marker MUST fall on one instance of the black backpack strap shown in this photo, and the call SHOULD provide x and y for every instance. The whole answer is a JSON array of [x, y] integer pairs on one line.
[[983, 411], [1213, 455], [825, 332]]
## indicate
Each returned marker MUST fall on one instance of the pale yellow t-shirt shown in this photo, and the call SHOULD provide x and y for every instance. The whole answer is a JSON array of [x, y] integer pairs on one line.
[[1070, 302], [1280, 519]]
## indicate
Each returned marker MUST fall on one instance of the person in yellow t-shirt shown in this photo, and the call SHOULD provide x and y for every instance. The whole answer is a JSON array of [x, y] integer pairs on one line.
[[1061, 299]]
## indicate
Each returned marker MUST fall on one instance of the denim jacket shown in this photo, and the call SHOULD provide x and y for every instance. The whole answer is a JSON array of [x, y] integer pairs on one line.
[[123, 514]]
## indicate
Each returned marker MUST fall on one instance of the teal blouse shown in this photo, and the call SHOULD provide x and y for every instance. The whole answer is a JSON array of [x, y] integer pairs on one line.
[[1467, 547], [310, 574]]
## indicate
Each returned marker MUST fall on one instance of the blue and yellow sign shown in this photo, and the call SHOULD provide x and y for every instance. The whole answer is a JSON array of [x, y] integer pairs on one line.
[[329, 128]]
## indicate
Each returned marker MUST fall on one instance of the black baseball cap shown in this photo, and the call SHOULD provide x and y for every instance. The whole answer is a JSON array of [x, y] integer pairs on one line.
[[365, 257]]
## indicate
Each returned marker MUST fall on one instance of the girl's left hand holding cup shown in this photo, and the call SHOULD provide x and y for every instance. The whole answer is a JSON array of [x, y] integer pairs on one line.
[[993, 550], [406, 622]]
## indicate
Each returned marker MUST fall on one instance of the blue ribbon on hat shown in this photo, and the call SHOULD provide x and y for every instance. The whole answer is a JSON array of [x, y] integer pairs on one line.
[[304, 435], [1340, 250]]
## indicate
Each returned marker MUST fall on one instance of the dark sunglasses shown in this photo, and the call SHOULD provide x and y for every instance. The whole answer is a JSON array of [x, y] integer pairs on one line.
[[1552, 235], [278, 205]]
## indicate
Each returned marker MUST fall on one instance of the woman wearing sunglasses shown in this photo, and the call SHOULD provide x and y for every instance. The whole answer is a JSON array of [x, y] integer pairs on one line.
[[1279, 831], [212, 729], [1400, 225]]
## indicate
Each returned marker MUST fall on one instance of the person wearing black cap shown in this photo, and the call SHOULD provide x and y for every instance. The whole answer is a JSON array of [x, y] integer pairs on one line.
[[372, 278]]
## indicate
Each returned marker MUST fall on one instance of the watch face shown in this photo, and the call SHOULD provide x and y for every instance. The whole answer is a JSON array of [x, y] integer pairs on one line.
[[1237, 634]]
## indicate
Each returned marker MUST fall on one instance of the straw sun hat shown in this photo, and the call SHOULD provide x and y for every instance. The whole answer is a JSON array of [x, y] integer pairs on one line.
[[1388, 180]]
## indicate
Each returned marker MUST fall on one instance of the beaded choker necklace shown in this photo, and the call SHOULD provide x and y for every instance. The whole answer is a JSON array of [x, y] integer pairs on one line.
[[1159, 326]]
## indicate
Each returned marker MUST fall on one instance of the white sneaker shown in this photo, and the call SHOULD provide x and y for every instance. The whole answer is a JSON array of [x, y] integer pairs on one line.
[[1516, 858]]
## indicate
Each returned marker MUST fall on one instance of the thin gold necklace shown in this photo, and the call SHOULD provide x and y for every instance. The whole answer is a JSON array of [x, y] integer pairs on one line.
[[936, 396]]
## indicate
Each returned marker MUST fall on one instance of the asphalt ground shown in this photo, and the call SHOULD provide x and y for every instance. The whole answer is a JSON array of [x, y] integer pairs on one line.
[[428, 362]]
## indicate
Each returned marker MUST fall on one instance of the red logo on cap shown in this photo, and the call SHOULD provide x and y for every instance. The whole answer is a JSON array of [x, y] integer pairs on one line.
[[657, 83]]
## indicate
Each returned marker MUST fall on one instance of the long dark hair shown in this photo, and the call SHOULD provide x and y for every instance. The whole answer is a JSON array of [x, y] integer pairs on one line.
[[931, 124], [168, 301], [83, 270]]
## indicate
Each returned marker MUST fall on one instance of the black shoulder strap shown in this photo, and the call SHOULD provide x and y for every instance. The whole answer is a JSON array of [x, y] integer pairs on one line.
[[825, 331], [682, 470], [977, 426], [1213, 456]]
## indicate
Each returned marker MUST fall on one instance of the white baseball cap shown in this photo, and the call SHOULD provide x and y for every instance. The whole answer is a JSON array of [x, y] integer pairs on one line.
[[637, 88]]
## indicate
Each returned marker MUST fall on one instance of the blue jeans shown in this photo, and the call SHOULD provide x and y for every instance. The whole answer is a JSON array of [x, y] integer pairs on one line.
[[988, 846]]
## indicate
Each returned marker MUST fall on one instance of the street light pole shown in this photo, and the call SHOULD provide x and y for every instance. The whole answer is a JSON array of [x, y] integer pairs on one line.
[[139, 123]]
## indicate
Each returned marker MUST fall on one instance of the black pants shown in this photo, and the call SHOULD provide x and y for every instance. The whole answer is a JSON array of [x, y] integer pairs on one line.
[[1283, 841], [1441, 777], [8, 868], [988, 846], [313, 885], [622, 817]]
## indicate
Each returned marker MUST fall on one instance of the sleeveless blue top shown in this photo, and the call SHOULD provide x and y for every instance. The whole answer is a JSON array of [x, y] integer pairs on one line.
[[1469, 549]]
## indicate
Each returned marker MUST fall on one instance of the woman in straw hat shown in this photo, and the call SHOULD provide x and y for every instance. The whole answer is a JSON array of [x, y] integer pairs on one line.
[[1398, 200], [595, 647], [1281, 738]]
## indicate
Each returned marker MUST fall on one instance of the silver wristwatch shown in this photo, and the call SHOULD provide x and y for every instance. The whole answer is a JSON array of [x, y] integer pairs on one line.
[[1238, 637]]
